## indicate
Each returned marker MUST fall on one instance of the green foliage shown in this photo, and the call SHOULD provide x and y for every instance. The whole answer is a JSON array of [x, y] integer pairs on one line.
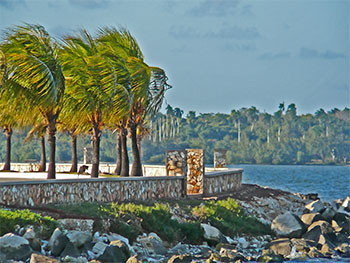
[[227, 216], [44, 225], [156, 219]]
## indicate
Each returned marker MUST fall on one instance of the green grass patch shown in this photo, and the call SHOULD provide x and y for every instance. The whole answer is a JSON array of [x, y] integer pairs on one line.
[[228, 217], [43, 225], [156, 218]]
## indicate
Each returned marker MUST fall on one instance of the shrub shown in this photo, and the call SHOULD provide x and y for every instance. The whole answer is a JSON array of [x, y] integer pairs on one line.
[[43, 225]]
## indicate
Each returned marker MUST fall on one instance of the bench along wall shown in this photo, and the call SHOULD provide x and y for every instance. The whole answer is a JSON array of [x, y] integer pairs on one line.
[[36, 193]]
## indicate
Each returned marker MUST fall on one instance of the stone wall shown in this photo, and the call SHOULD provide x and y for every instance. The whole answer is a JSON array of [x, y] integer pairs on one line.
[[90, 190], [36, 193], [222, 181]]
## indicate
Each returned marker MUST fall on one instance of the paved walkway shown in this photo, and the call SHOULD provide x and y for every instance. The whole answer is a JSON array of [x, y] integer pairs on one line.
[[28, 176]]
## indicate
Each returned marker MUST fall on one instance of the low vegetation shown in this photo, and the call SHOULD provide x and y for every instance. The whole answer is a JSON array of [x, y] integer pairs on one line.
[[133, 219], [11, 219]]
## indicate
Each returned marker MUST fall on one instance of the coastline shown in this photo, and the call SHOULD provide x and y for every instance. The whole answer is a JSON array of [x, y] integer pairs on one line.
[[264, 203]]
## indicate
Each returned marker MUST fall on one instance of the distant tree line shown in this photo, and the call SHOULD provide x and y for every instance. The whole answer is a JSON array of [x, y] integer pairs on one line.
[[254, 137]]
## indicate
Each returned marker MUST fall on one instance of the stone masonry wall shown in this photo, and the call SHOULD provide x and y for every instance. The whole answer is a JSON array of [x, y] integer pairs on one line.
[[38, 193], [223, 181]]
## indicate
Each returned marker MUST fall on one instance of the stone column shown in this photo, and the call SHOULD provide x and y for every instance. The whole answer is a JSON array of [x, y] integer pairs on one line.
[[220, 158], [195, 171], [176, 166]]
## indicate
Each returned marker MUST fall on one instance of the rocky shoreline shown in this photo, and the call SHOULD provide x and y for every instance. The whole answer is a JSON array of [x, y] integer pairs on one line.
[[304, 227]]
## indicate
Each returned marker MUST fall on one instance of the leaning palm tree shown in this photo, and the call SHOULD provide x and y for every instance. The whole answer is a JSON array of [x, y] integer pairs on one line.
[[36, 76], [93, 88], [145, 97]]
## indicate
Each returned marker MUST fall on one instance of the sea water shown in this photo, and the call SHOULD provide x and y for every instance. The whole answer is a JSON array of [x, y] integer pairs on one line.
[[330, 182]]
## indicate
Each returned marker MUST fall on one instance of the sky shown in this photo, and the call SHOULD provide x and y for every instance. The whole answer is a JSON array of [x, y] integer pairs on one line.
[[221, 55]]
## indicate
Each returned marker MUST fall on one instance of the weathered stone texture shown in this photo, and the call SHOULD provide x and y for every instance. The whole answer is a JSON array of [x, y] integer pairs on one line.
[[175, 163], [195, 171], [220, 158], [223, 181], [33, 193]]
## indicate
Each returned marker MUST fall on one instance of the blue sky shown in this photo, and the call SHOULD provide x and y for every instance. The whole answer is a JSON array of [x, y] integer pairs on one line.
[[221, 55]]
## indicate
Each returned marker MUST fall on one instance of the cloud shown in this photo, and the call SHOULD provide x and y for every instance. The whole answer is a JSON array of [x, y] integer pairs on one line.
[[12, 4], [233, 32], [246, 10], [272, 56], [90, 4], [308, 53], [247, 47], [214, 8]]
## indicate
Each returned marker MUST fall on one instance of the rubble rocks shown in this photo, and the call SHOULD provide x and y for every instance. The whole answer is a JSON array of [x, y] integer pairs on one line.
[[14, 247]]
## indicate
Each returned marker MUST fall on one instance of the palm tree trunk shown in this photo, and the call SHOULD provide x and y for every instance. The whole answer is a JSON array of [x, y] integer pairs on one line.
[[125, 158], [74, 167], [119, 155], [96, 133], [51, 130], [42, 165], [136, 169], [8, 133]]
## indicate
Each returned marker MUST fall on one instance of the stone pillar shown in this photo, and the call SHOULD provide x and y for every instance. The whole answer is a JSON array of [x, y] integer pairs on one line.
[[195, 171], [87, 155], [175, 163], [220, 158]]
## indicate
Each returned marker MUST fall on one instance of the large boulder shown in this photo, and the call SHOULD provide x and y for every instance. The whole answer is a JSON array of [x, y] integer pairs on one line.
[[309, 218], [113, 254], [79, 238], [329, 213], [153, 244], [346, 204], [321, 232], [99, 248], [14, 247], [113, 236], [315, 206], [212, 233], [34, 241], [70, 250], [57, 242], [287, 225]]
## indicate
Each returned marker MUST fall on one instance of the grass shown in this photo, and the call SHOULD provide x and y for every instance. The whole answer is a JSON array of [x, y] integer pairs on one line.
[[43, 225]]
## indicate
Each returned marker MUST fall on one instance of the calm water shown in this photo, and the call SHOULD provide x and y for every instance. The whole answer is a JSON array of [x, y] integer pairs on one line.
[[330, 182]]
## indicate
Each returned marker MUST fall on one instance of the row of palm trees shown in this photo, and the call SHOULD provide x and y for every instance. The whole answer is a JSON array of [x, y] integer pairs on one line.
[[80, 84]]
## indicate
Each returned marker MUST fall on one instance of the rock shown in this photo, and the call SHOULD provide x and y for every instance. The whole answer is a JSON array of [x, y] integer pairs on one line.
[[70, 250], [228, 253], [34, 242], [290, 248], [336, 227], [343, 250], [268, 256], [346, 204], [320, 232], [123, 246], [57, 242], [99, 248], [327, 251], [343, 221], [315, 206], [79, 238], [328, 214], [181, 259], [287, 225], [309, 218], [243, 242], [133, 259], [179, 249], [114, 236], [212, 233], [38, 258], [85, 225], [154, 245], [14, 247], [113, 254], [314, 253]]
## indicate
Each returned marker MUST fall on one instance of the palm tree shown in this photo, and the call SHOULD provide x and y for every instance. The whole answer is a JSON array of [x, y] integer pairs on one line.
[[36, 76], [148, 85], [95, 96]]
